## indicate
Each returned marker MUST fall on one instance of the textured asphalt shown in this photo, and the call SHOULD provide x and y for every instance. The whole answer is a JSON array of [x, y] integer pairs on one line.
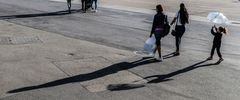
[[186, 77]]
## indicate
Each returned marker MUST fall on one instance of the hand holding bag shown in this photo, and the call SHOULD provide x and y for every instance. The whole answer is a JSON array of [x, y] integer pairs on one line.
[[173, 32], [150, 44]]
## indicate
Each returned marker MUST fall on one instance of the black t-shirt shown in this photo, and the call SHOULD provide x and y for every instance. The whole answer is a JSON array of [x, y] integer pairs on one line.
[[158, 21], [217, 36]]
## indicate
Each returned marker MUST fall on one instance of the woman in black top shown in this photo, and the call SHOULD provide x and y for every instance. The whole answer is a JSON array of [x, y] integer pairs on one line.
[[158, 28], [217, 32], [181, 18]]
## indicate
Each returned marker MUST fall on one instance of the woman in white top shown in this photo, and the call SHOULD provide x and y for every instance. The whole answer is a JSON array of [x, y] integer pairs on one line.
[[181, 18]]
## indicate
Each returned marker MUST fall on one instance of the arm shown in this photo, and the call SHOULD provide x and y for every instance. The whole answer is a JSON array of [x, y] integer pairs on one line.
[[174, 20], [213, 30]]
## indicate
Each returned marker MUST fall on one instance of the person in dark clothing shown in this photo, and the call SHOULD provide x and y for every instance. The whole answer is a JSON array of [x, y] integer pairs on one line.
[[158, 29], [217, 32], [84, 5], [181, 19], [69, 4]]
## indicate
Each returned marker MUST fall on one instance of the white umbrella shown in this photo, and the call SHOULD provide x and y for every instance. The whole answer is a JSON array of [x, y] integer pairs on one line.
[[218, 18]]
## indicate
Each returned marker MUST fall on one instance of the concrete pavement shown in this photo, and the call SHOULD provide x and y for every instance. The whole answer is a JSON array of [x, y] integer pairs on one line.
[[30, 56], [89, 56], [198, 10]]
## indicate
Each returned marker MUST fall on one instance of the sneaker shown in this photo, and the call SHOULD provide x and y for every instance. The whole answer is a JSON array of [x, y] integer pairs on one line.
[[95, 11], [221, 59], [160, 59], [209, 58], [176, 54], [152, 54]]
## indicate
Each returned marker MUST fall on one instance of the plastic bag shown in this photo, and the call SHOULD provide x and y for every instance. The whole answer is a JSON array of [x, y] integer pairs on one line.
[[149, 45]]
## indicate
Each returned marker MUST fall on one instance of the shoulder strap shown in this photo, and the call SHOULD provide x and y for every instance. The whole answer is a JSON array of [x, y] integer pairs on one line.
[[165, 19]]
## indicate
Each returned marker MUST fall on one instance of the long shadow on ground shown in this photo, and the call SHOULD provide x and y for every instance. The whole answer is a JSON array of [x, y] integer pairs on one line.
[[90, 76], [58, 13], [166, 77], [159, 78]]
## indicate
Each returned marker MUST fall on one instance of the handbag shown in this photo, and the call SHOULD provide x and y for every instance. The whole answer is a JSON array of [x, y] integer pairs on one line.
[[166, 27], [174, 33]]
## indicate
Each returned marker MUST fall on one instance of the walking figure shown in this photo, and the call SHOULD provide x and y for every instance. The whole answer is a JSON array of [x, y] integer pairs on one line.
[[84, 5], [181, 18], [95, 3], [69, 4], [217, 33], [158, 28]]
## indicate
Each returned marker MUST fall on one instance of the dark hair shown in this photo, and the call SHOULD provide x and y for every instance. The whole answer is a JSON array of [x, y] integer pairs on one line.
[[223, 29], [159, 8], [184, 16]]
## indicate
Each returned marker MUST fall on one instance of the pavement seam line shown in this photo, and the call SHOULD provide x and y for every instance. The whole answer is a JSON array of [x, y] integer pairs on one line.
[[60, 69]]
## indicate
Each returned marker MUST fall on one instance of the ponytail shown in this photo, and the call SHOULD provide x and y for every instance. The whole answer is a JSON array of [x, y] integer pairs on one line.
[[223, 29], [184, 16]]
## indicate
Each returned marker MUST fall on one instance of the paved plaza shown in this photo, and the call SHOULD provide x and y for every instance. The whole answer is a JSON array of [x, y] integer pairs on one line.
[[48, 54]]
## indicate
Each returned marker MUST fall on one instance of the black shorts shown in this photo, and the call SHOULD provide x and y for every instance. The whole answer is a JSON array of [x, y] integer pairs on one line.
[[158, 38]]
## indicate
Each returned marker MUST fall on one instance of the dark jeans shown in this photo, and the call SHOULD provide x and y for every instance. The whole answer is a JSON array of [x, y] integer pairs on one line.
[[179, 33], [216, 45], [95, 2], [83, 5]]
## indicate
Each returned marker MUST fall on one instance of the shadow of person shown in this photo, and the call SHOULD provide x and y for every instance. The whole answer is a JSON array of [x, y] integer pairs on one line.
[[170, 55], [118, 87], [166, 77], [90, 76], [58, 13]]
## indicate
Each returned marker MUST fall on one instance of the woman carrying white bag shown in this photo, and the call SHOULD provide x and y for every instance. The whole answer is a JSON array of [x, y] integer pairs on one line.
[[158, 29], [149, 45]]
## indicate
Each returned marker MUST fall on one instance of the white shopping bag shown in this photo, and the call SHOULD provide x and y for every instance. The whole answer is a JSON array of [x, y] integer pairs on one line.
[[149, 45]]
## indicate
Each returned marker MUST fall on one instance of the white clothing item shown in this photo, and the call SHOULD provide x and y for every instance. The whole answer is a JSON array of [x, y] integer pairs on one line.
[[178, 18]]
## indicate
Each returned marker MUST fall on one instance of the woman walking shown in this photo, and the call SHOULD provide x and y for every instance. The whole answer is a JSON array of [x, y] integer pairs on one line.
[[217, 32], [95, 3], [84, 8], [69, 4], [181, 18], [158, 28]]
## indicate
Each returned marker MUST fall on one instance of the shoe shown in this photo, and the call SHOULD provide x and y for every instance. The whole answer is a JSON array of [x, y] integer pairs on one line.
[[209, 58], [176, 54], [160, 59], [95, 11], [221, 59], [151, 54]]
